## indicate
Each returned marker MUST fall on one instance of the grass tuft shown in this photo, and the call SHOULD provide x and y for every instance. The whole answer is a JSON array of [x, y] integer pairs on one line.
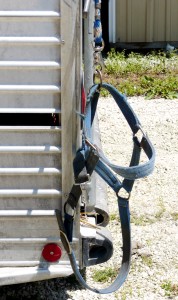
[[147, 260], [171, 289], [104, 275], [153, 75]]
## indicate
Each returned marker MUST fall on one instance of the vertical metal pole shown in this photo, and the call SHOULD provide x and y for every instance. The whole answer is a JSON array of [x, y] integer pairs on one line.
[[112, 21], [88, 47]]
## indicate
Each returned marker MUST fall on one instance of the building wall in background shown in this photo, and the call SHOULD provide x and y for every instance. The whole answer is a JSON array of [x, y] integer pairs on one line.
[[146, 21]]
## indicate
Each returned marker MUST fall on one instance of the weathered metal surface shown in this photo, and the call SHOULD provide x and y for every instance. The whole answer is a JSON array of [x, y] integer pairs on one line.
[[146, 21]]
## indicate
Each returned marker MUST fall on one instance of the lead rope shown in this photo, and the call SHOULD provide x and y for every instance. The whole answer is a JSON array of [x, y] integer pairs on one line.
[[98, 43]]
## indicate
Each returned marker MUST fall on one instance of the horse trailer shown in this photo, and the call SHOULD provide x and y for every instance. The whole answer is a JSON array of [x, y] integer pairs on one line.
[[53, 207]]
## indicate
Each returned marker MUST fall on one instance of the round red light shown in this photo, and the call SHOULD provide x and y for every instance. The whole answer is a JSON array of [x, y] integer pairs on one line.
[[51, 252]]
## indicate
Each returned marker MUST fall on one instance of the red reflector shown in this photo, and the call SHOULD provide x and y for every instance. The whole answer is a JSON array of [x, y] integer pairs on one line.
[[83, 96], [52, 252]]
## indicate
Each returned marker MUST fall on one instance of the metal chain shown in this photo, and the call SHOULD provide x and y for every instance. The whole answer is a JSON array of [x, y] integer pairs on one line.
[[98, 42]]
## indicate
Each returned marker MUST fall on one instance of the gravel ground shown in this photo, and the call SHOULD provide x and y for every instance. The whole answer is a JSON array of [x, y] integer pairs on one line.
[[154, 213]]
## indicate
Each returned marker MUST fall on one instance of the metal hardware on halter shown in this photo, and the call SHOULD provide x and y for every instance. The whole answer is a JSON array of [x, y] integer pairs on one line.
[[99, 48], [99, 75], [85, 187], [98, 60]]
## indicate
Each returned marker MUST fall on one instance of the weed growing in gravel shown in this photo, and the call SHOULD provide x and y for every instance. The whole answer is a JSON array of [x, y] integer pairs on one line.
[[153, 75], [138, 220], [161, 210], [149, 242], [126, 292], [171, 289], [141, 220], [175, 216], [104, 275], [147, 260], [114, 217], [124, 296]]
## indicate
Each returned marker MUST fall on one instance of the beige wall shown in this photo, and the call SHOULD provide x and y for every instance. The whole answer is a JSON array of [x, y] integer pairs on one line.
[[146, 20]]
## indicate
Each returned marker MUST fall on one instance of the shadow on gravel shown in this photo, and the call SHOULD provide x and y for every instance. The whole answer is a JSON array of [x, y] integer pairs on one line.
[[53, 289]]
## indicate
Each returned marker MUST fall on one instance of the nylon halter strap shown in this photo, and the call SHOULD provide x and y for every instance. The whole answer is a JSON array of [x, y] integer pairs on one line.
[[92, 159]]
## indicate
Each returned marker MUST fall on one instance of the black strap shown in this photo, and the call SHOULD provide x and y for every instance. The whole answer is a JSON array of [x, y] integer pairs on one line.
[[92, 159], [84, 164]]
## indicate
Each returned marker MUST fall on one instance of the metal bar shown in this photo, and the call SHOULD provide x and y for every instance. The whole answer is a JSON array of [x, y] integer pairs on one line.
[[33, 129], [30, 149], [32, 193], [30, 64], [26, 213], [30, 171], [31, 88], [30, 40], [88, 47], [43, 14], [112, 21], [86, 8], [29, 111], [46, 240]]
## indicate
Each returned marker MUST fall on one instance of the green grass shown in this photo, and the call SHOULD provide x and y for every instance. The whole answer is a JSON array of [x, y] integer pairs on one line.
[[104, 275], [147, 260], [114, 217], [171, 289], [153, 75], [159, 214], [141, 220]]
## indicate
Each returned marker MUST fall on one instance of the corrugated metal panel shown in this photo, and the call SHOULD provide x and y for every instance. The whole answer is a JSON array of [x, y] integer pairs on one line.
[[29, 84], [160, 20], [146, 21], [166, 20], [174, 20], [37, 77]]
